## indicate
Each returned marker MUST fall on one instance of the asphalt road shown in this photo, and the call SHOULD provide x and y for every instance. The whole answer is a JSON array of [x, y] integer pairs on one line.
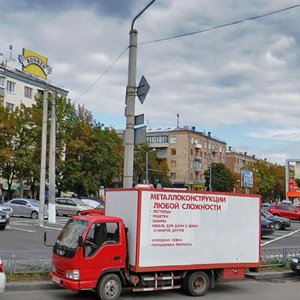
[[287, 289]]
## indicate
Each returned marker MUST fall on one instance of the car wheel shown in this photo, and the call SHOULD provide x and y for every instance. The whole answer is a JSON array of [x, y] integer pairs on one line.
[[196, 284], [277, 226], [109, 287], [34, 215], [2, 227], [57, 213]]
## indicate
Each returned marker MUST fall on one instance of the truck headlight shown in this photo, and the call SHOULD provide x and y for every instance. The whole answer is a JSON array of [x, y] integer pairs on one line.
[[295, 260], [73, 274]]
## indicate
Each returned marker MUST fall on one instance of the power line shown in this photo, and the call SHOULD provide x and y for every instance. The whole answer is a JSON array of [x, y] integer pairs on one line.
[[106, 71], [221, 26], [187, 34]]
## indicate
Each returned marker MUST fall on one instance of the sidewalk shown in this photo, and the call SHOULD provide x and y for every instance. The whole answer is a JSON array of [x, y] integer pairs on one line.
[[48, 285]]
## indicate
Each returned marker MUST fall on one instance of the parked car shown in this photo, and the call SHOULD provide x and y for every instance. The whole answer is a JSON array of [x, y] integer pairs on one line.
[[26, 207], [97, 210], [70, 206], [267, 227], [266, 205], [279, 222], [295, 264], [91, 202], [6, 209], [4, 220], [2, 277], [286, 211]]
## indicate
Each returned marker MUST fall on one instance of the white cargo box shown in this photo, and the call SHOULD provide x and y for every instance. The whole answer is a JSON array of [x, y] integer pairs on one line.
[[178, 230]]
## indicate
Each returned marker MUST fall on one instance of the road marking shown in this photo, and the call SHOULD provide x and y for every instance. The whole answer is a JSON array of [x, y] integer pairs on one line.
[[55, 228], [281, 237], [26, 230]]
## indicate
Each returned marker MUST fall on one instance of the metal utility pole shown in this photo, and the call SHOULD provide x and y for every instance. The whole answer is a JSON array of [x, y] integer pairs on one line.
[[52, 189], [43, 158], [130, 102], [147, 165]]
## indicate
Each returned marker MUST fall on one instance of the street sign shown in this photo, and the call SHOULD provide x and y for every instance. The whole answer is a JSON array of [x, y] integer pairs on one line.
[[143, 89], [139, 120], [140, 135]]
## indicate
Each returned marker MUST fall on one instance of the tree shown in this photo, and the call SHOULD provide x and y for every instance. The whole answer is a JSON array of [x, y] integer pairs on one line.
[[92, 155], [222, 180], [158, 168]]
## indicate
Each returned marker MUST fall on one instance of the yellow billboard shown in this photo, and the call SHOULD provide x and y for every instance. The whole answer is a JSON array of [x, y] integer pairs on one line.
[[34, 63]]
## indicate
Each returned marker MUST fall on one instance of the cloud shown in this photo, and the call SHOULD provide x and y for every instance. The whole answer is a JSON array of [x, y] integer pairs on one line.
[[236, 75]]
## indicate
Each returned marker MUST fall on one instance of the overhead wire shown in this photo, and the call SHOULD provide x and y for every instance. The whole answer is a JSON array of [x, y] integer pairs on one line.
[[102, 74], [221, 26], [188, 34]]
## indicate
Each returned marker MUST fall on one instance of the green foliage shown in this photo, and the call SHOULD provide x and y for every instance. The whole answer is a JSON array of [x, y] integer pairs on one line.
[[158, 169], [222, 179]]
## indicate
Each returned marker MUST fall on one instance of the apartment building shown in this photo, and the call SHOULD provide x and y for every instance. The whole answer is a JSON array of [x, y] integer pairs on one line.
[[238, 161], [188, 153], [17, 86]]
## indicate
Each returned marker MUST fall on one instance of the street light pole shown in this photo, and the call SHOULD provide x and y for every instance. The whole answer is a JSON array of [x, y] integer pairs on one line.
[[130, 102], [147, 165]]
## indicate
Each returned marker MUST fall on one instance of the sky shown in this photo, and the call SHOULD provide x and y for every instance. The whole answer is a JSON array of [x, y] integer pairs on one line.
[[239, 81]]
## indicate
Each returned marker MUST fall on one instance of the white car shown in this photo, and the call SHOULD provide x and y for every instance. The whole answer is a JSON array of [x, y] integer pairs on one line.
[[8, 210], [91, 202], [2, 278]]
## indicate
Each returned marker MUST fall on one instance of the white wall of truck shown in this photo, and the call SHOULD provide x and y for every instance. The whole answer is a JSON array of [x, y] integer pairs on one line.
[[182, 230]]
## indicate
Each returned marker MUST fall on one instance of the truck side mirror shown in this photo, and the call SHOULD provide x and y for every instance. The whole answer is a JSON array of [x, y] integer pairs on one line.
[[80, 241]]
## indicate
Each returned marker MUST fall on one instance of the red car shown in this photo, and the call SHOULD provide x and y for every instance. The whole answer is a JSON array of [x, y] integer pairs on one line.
[[286, 211], [97, 210]]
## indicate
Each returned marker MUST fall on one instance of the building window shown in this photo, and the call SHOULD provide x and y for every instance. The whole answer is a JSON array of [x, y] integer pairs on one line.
[[1, 81], [157, 139], [173, 140], [10, 86], [173, 163], [173, 176], [10, 106], [40, 93], [27, 92], [173, 151]]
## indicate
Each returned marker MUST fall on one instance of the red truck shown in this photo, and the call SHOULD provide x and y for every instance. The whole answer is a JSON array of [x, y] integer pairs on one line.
[[153, 240]]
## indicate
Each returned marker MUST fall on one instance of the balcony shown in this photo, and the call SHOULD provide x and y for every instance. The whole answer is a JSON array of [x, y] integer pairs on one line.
[[198, 157]]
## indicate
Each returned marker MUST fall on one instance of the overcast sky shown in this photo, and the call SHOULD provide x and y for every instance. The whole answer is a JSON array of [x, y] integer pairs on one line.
[[240, 82]]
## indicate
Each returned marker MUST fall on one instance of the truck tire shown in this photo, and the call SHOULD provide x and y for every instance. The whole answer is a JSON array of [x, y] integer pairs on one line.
[[109, 287], [196, 284]]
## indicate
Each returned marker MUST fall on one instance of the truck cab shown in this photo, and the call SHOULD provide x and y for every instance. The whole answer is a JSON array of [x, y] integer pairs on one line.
[[88, 247]]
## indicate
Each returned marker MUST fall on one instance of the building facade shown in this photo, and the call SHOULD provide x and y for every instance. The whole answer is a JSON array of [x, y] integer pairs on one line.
[[188, 153], [17, 86]]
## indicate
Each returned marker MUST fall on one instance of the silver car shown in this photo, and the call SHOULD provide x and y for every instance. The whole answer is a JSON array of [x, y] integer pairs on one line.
[[25, 207], [8, 210], [70, 206]]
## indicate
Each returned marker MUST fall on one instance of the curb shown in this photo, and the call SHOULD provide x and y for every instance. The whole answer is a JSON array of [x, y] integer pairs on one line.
[[30, 285], [270, 275], [48, 285]]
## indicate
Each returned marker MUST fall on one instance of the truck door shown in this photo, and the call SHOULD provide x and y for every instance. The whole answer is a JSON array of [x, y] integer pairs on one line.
[[102, 251]]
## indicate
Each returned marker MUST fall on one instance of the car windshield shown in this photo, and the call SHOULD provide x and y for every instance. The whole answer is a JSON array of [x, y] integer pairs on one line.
[[68, 238], [80, 202]]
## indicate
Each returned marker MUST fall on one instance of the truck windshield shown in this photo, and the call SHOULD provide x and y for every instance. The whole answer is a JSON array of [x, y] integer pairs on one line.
[[67, 241]]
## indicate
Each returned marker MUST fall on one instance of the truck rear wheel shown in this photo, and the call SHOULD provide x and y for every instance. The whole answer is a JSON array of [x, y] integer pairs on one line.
[[196, 284], [109, 287]]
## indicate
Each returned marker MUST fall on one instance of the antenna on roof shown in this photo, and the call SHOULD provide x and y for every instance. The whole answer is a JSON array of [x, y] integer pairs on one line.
[[177, 120]]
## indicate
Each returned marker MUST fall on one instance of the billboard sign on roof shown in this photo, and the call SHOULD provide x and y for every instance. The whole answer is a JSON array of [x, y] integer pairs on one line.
[[34, 63]]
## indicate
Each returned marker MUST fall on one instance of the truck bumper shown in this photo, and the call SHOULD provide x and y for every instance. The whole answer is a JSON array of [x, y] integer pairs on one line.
[[64, 282]]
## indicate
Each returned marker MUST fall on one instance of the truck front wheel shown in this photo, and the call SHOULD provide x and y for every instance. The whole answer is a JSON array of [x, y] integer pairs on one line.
[[196, 284], [109, 287]]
